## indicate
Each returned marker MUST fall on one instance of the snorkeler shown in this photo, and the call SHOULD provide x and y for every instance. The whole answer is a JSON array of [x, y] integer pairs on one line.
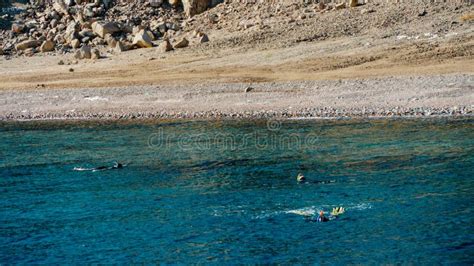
[[334, 214], [300, 178], [116, 165], [322, 218]]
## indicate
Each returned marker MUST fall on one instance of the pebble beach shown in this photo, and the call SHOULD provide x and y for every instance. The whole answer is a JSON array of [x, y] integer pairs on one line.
[[413, 96]]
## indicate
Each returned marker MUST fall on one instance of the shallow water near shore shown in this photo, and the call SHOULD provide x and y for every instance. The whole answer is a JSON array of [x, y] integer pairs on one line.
[[225, 191]]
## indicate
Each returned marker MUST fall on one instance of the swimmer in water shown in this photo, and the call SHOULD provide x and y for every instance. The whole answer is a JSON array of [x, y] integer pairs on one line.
[[300, 178], [322, 218], [334, 214], [116, 165]]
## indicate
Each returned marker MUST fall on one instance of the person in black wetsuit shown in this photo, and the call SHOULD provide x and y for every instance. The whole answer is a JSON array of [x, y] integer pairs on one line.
[[334, 215], [322, 218], [301, 179], [115, 166]]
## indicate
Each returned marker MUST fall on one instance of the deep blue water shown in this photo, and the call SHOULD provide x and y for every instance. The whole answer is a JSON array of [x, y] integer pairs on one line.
[[225, 192]]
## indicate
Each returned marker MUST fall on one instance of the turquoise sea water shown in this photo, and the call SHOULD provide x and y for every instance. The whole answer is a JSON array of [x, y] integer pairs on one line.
[[225, 192]]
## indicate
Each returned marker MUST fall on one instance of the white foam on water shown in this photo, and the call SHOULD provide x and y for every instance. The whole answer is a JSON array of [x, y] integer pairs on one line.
[[307, 211], [81, 169], [360, 207], [314, 210], [220, 212]]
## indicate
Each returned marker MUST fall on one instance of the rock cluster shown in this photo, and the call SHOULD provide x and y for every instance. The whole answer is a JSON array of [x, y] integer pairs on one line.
[[76, 26]]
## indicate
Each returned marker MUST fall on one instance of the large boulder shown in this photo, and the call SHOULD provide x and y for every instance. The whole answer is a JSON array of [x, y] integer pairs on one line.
[[71, 31], [165, 46], [104, 28], [194, 7], [85, 52], [75, 43], [47, 46], [181, 43], [120, 47], [110, 40], [27, 45], [143, 39], [60, 7]]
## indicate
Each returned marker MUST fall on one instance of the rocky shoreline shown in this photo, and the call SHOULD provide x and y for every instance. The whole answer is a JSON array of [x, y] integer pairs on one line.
[[308, 113]]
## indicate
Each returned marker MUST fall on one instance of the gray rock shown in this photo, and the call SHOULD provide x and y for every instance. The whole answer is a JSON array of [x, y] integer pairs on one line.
[[77, 54], [60, 7], [156, 3], [71, 31], [165, 46], [53, 23], [95, 54], [85, 52], [103, 28], [120, 47], [203, 38]]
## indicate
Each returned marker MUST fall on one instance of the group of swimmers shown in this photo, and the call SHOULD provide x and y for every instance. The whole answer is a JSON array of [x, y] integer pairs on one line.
[[322, 217], [299, 178]]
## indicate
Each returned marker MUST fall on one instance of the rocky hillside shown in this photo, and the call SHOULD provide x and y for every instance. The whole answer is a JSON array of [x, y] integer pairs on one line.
[[93, 29]]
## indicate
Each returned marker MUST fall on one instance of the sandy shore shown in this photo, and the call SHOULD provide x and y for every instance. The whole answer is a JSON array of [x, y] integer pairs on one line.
[[376, 97]]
